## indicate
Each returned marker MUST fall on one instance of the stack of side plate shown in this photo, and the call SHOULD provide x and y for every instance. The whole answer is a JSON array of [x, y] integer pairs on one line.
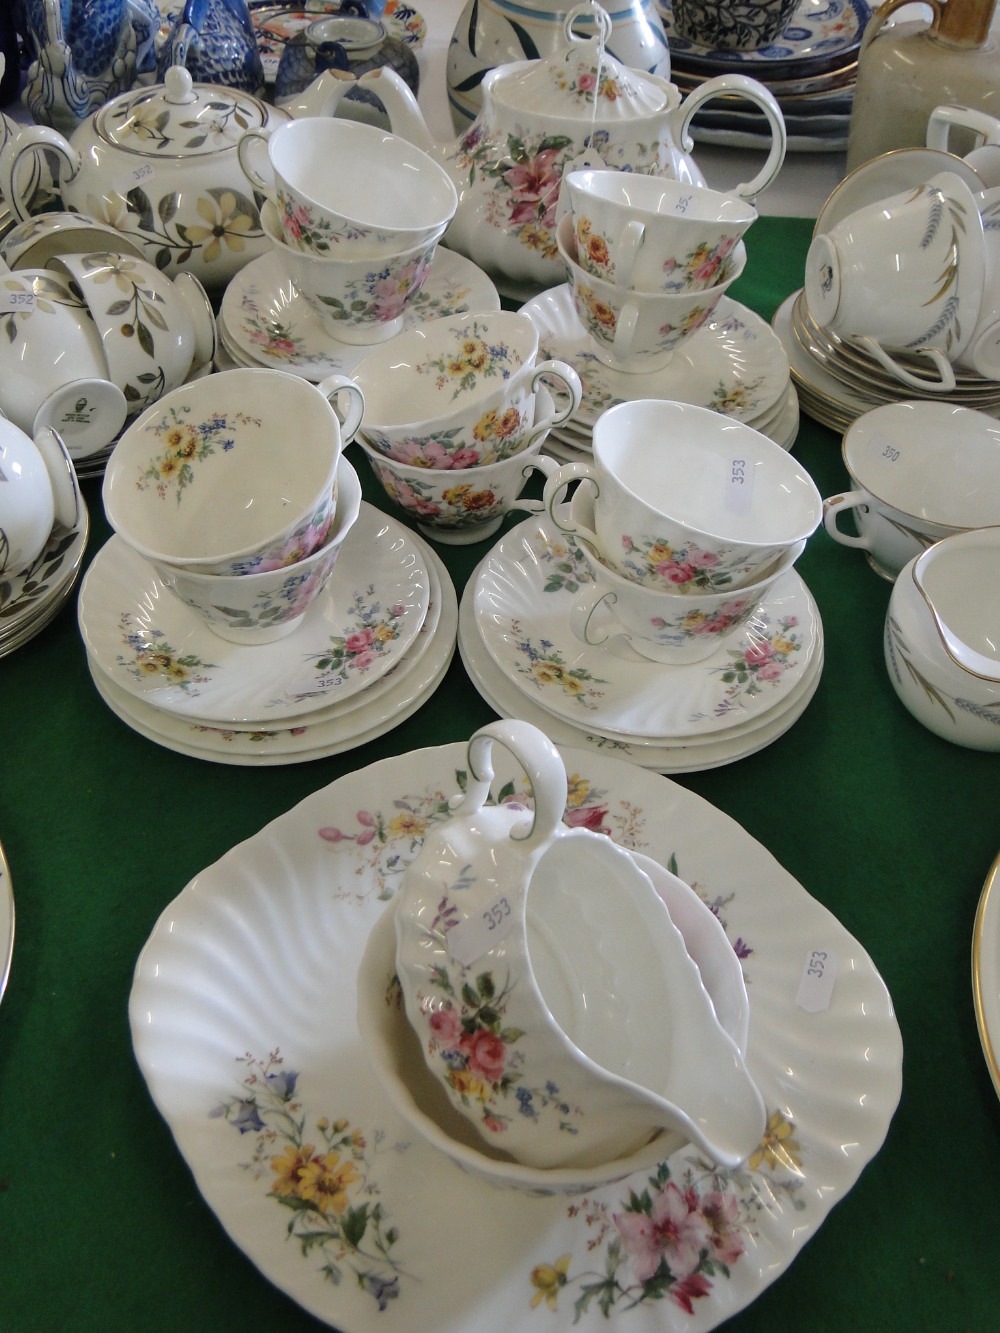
[[734, 365], [369, 652], [811, 70], [517, 646]]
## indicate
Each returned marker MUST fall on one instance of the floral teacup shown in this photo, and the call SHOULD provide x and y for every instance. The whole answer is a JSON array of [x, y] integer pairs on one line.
[[460, 391], [462, 504], [358, 300]]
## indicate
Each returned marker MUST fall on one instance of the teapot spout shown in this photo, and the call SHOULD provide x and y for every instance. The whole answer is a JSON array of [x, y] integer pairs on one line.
[[323, 96]]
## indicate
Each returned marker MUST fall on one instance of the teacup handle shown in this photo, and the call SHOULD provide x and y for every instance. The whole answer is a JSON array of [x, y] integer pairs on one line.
[[628, 247], [542, 463], [583, 610], [31, 139], [248, 151], [554, 487], [331, 388], [943, 119], [753, 92], [570, 381], [541, 762], [944, 368], [838, 504]]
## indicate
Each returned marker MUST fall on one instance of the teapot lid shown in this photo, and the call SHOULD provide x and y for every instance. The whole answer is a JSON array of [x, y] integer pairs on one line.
[[581, 80], [179, 118]]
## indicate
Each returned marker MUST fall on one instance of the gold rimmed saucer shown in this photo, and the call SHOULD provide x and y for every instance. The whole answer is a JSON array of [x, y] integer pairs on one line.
[[986, 971]]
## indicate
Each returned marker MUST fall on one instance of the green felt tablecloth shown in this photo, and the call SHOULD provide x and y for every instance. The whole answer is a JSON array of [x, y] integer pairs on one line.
[[891, 828]]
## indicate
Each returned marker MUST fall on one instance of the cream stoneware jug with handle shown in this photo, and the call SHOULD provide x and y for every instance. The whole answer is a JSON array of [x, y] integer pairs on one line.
[[554, 998], [578, 107]]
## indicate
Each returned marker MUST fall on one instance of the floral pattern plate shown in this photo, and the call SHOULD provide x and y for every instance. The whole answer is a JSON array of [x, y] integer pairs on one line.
[[329, 731], [30, 598], [267, 319], [734, 364], [243, 1024], [693, 754], [156, 648], [523, 600]]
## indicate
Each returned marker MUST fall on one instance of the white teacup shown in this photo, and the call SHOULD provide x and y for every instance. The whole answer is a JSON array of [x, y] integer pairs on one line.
[[269, 603], [638, 332], [652, 234], [459, 506], [669, 627], [687, 500], [920, 471], [983, 352], [37, 489], [360, 301], [460, 391], [230, 473], [904, 274], [344, 187]]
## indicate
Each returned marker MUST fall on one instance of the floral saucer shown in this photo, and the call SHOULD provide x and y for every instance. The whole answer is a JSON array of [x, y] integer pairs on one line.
[[260, 1075], [266, 319], [693, 754], [157, 649], [734, 364], [523, 596], [328, 731], [31, 598]]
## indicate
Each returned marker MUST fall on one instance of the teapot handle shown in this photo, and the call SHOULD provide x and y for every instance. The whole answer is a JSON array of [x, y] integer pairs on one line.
[[541, 762], [753, 92], [29, 139]]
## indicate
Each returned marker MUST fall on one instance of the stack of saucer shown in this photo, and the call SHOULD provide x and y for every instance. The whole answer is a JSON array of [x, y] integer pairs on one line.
[[735, 364], [31, 598], [811, 69], [517, 646], [370, 651]]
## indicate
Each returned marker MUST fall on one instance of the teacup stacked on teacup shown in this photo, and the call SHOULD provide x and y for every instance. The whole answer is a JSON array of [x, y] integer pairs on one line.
[[456, 412], [648, 261], [913, 282], [686, 520], [354, 214], [240, 517]]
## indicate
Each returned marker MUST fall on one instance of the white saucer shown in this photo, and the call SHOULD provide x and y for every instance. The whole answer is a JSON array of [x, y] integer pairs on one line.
[[523, 603], [6, 922], [734, 364], [331, 731], [243, 1001], [156, 648], [31, 598], [266, 321], [695, 754]]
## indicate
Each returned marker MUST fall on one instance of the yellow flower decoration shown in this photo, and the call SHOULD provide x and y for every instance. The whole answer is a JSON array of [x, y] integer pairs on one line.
[[547, 1280], [323, 1182], [468, 1084], [777, 1148], [577, 791], [407, 825], [783, 646]]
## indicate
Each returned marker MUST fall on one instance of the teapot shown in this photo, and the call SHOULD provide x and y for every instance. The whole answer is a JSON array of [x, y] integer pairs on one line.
[[541, 118], [942, 632], [554, 997], [160, 165]]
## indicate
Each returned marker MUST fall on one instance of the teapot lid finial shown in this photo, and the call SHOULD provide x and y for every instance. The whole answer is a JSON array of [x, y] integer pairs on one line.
[[178, 85]]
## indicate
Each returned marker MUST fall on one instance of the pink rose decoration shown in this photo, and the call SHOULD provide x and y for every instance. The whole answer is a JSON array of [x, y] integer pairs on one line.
[[485, 1053], [447, 1029]]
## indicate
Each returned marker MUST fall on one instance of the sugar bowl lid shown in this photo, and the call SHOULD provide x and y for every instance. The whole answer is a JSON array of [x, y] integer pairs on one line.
[[581, 80], [179, 118]]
